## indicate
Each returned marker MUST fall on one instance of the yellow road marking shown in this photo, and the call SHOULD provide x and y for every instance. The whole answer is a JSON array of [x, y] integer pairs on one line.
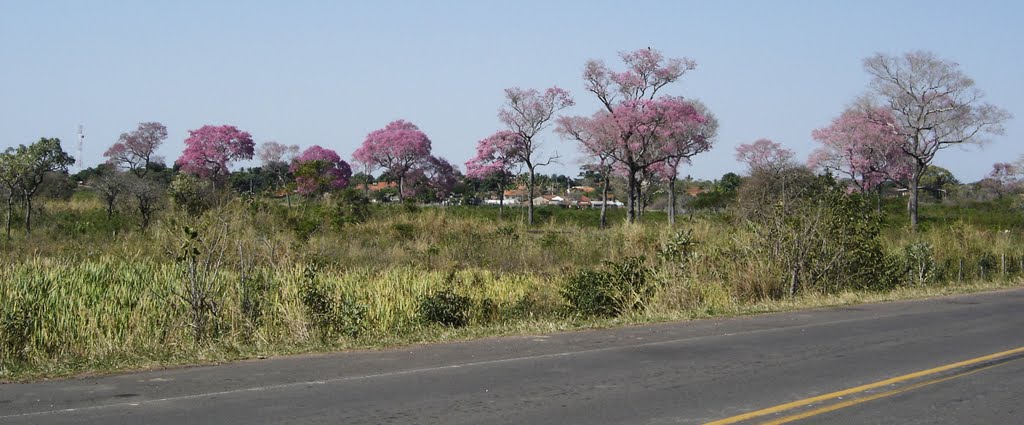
[[862, 388], [854, 402]]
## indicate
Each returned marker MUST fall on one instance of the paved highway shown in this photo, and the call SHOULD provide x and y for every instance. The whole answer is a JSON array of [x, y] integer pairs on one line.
[[952, 360]]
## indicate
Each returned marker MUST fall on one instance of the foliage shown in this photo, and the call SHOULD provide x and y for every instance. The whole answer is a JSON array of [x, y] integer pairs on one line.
[[619, 288], [446, 308], [332, 317], [820, 238], [319, 170], [352, 207], [191, 194], [920, 262]]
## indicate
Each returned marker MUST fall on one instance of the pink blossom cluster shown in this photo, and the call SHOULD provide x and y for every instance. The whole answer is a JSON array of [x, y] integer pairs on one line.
[[496, 156], [764, 155], [396, 147], [136, 150], [210, 150], [865, 147], [319, 169]]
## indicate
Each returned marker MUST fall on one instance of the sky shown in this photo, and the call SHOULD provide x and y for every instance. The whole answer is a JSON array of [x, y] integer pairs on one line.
[[329, 72]]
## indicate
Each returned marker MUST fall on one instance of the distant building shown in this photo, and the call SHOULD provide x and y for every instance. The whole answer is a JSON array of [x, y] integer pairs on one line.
[[550, 200]]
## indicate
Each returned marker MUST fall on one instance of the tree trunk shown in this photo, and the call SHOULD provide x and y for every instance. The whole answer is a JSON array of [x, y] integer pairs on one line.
[[672, 201], [878, 200], [915, 182], [604, 202], [501, 200], [10, 212], [631, 198], [28, 216], [401, 187], [529, 208]]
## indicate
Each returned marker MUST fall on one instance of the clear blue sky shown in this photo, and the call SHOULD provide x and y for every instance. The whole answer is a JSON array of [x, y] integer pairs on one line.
[[328, 72]]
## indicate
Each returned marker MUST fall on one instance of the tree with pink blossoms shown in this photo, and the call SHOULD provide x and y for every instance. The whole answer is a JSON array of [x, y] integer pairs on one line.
[[135, 150], [496, 158], [642, 120], [319, 170], [435, 176], [866, 150], [397, 148], [526, 113], [1004, 178], [764, 155], [210, 150], [932, 105], [597, 137], [694, 137]]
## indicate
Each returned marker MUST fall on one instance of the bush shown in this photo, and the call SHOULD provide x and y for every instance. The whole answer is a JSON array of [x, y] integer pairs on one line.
[[353, 207], [332, 317], [191, 194], [619, 288], [812, 234], [919, 258], [446, 308]]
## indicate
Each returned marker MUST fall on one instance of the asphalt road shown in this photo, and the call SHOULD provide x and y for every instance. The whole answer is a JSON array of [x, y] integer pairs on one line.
[[955, 360]]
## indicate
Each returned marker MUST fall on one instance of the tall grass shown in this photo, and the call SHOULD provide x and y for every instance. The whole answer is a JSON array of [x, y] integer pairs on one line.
[[91, 292]]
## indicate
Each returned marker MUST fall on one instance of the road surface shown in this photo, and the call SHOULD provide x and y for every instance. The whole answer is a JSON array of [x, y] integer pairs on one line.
[[954, 360]]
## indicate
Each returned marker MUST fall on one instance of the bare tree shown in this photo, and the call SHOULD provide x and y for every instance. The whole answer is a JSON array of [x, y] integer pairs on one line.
[[526, 113], [135, 150], [934, 105], [148, 196], [110, 184]]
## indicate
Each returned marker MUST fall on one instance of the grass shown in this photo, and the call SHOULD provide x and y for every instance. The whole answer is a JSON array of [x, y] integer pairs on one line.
[[97, 295]]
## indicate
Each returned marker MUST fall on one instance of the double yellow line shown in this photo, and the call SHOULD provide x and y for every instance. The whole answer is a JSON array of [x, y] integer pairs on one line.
[[849, 391]]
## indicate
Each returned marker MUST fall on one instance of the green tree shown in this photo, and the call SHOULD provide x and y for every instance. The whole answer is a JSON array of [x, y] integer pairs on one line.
[[24, 169]]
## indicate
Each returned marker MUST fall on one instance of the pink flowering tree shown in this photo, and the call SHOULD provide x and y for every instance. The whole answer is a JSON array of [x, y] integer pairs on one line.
[[526, 113], [597, 137], [397, 148], [693, 137], [135, 150], [319, 170], [764, 155], [642, 120], [210, 150], [496, 158], [932, 105], [866, 150], [1004, 178], [435, 177]]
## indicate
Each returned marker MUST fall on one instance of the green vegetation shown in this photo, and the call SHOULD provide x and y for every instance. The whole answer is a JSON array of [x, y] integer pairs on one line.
[[249, 276]]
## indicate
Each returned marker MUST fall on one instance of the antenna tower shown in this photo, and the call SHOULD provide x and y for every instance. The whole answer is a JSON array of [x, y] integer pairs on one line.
[[81, 138]]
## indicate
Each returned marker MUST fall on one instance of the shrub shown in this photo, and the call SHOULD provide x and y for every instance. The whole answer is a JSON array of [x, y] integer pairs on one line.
[[619, 288], [446, 308], [332, 317], [813, 234], [191, 194], [353, 207], [919, 258]]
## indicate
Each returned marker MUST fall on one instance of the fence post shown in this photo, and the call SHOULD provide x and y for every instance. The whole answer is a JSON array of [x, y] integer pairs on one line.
[[960, 274], [1004, 264]]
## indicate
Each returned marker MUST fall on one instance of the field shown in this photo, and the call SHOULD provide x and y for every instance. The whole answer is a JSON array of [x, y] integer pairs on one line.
[[252, 277]]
